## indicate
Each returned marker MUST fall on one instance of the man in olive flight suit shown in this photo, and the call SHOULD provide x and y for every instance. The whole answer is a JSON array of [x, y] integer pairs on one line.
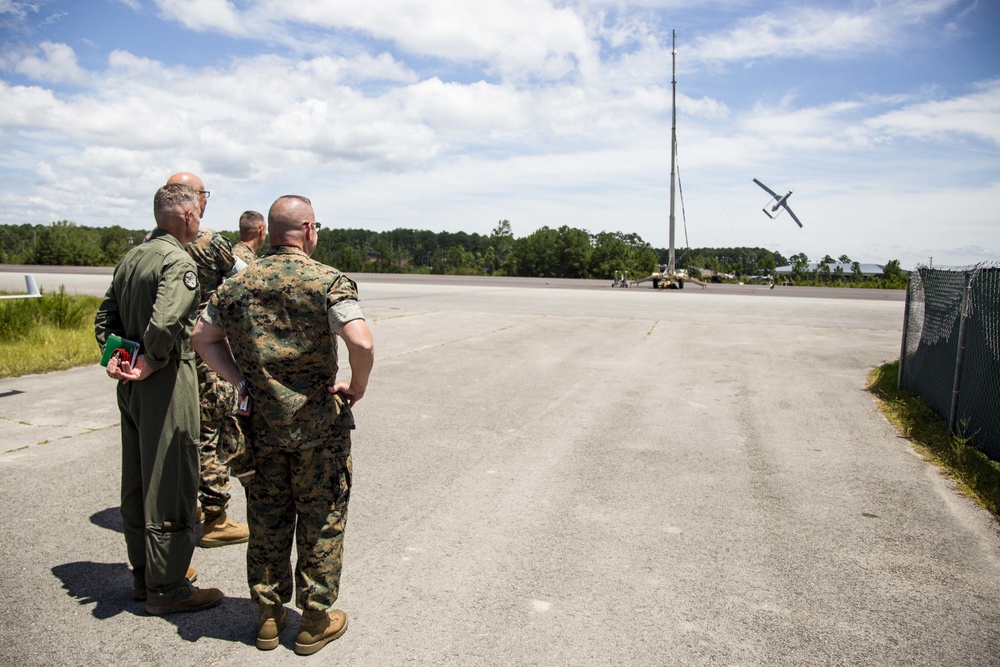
[[213, 254], [268, 330], [253, 233], [153, 300]]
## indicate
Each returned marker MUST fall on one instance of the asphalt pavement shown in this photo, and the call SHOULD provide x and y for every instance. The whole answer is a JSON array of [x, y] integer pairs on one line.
[[557, 476]]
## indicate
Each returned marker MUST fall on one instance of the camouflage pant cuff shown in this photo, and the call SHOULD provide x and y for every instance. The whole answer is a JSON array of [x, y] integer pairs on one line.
[[212, 512], [269, 597]]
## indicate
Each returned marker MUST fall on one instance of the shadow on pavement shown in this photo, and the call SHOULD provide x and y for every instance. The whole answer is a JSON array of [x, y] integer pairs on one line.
[[110, 518], [235, 620], [109, 587]]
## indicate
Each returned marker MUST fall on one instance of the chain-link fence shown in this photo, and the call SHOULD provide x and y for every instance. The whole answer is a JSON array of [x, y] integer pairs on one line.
[[950, 355]]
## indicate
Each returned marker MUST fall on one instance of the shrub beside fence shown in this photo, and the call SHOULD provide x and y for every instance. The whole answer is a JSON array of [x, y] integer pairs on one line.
[[950, 355]]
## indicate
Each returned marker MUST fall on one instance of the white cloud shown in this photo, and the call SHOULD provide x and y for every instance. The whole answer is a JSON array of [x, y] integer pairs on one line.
[[18, 9], [976, 115], [214, 15], [814, 32], [54, 63], [514, 38], [264, 118], [811, 128], [478, 113], [536, 127], [804, 32], [26, 107]]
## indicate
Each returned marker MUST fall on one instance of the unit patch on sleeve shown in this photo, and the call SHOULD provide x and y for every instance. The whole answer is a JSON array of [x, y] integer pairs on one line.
[[190, 280]]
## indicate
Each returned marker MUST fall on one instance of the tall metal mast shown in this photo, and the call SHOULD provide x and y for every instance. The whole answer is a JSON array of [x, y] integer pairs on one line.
[[673, 147]]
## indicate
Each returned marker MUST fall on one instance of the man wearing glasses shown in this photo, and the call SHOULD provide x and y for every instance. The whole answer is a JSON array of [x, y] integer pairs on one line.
[[272, 331], [213, 254]]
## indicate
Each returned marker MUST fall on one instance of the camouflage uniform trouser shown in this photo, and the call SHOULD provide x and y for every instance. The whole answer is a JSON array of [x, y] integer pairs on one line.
[[218, 398], [301, 494]]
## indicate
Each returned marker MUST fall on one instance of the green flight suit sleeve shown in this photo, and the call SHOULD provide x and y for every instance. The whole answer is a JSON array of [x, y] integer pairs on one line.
[[176, 298], [108, 320]]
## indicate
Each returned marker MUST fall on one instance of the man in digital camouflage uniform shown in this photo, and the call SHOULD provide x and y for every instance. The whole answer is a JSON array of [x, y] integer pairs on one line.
[[273, 331], [253, 233], [213, 254], [153, 300]]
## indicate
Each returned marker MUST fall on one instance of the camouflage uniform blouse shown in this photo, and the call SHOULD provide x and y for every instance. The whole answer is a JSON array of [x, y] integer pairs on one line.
[[213, 253], [279, 315], [244, 252]]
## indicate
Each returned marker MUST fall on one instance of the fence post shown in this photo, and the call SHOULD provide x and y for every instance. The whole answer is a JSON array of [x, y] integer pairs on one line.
[[959, 354], [906, 326]]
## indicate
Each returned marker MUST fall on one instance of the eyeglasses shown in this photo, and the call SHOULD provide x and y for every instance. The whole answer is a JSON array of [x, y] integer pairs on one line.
[[315, 225], [204, 192]]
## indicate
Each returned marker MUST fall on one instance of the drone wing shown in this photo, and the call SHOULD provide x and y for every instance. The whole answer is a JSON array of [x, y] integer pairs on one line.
[[793, 216], [766, 189], [33, 292]]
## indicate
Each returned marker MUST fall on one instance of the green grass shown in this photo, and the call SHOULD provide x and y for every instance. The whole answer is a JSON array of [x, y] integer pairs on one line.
[[52, 333], [976, 473]]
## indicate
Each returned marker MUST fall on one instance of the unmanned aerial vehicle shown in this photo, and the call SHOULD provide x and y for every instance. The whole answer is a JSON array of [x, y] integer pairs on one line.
[[773, 207]]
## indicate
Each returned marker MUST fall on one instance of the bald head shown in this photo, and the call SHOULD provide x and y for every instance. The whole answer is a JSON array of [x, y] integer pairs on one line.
[[286, 222], [193, 182]]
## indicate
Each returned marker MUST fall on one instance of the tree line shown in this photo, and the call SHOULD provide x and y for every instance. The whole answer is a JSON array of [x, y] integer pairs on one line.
[[545, 253], [563, 252], [558, 253]]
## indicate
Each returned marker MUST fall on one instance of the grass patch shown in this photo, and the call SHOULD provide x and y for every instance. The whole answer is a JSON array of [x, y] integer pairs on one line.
[[52, 333], [977, 474]]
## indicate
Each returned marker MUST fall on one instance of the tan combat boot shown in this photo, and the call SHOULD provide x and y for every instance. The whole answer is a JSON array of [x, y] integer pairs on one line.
[[139, 589], [200, 599], [270, 622], [319, 628], [222, 530]]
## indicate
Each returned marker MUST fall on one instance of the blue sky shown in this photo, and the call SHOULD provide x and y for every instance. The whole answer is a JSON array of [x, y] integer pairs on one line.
[[882, 117]]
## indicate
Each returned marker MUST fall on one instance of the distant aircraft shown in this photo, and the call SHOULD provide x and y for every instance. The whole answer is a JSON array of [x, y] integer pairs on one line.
[[33, 292], [779, 202]]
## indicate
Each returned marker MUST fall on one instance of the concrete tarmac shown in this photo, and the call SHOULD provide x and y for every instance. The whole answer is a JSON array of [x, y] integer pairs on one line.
[[553, 477]]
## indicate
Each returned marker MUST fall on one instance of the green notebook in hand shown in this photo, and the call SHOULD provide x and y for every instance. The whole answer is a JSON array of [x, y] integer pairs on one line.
[[114, 343]]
